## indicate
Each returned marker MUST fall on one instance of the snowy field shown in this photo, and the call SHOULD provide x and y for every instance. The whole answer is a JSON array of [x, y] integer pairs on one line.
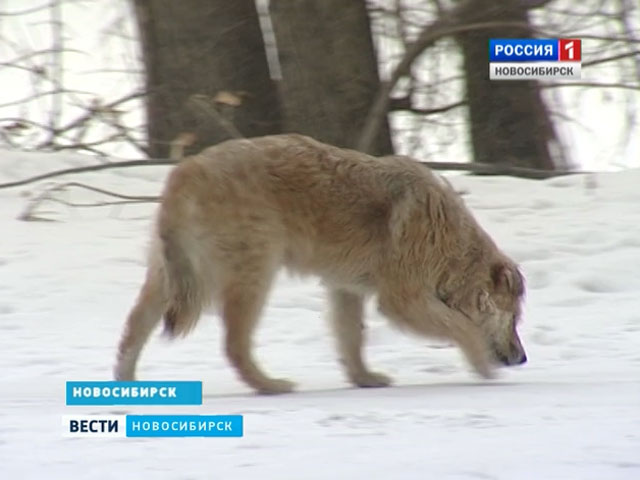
[[572, 412]]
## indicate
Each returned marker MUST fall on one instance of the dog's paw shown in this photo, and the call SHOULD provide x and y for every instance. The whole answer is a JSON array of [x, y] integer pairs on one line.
[[275, 386], [486, 371], [122, 374], [371, 380]]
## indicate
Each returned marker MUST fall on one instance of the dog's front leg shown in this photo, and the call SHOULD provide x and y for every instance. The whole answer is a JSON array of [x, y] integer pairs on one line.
[[428, 316], [346, 319]]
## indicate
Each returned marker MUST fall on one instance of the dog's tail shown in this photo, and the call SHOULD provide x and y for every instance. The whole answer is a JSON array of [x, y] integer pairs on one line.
[[184, 266]]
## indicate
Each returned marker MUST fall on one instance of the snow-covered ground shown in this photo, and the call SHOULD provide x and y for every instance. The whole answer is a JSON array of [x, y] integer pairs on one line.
[[572, 412]]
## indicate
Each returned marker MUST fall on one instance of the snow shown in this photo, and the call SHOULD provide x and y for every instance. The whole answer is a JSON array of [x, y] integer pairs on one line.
[[572, 412]]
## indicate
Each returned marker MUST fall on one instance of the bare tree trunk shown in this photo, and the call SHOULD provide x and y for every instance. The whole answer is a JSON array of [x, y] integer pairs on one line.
[[194, 50], [510, 123], [329, 69]]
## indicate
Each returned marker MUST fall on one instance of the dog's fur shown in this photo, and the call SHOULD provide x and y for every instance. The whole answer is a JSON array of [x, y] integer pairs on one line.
[[233, 215]]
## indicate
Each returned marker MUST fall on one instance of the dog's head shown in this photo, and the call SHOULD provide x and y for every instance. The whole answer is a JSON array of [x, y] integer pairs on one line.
[[496, 308]]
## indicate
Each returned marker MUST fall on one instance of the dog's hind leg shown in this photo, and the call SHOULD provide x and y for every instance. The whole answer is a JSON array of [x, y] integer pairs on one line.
[[242, 300], [346, 318], [142, 319]]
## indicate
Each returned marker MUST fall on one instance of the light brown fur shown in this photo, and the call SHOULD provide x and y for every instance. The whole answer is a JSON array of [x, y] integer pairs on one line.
[[233, 215]]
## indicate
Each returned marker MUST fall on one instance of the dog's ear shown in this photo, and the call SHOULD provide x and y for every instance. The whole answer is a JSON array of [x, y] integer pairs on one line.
[[485, 304], [507, 278], [502, 277]]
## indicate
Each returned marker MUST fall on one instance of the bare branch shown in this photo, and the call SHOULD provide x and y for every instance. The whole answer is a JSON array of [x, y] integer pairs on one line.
[[36, 53], [625, 8], [57, 74], [405, 103], [591, 84], [55, 91], [478, 168], [91, 112], [122, 196], [610, 38], [20, 121], [497, 169], [48, 195], [86, 145], [85, 169], [441, 28], [26, 11], [635, 53]]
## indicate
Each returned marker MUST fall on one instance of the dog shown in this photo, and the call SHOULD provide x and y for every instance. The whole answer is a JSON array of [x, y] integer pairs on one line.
[[233, 215]]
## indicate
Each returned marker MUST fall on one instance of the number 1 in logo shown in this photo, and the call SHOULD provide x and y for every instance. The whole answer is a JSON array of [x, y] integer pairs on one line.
[[569, 50]]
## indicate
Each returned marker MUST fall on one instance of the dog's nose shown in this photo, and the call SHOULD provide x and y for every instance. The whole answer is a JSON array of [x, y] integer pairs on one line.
[[523, 359]]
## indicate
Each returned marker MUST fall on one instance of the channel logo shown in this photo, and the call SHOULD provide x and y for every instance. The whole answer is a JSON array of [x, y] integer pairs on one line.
[[97, 426], [535, 58]]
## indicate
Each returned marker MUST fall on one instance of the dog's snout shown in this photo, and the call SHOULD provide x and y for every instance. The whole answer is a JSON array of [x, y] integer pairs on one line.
[[516, 358]]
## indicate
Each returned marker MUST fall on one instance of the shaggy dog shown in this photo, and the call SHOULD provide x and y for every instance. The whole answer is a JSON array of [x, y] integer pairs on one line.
[[233, 215]]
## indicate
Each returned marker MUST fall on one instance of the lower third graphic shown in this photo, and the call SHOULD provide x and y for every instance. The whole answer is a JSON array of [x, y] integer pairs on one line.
[[152, 426]]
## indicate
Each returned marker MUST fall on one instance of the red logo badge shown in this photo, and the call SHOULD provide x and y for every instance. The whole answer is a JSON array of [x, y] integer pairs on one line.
[[570, 50]]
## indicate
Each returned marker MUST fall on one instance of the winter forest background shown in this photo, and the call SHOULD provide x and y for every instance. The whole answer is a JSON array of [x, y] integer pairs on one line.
[[75, 75]]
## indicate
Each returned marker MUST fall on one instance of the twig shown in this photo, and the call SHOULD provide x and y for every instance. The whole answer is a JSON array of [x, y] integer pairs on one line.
[[24, 12], [86, 145], [405, 104], [20, 121], [56, 91], [25, 216], [500, 169], [590, 84], [123, 132], [625, 8], [121, 196], [35, 53], [635, 53], [609, 38], [91, 112], [87, 168], [57, 74], [47, 195]]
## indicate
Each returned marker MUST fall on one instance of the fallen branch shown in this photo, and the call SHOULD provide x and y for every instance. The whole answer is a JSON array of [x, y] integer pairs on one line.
[[87, 168], [477, 168], [48, 195], [500, 169], [122, 196]]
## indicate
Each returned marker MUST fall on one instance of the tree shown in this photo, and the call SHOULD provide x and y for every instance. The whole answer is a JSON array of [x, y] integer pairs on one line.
[[509, 121], [206, 72], [329, 70]]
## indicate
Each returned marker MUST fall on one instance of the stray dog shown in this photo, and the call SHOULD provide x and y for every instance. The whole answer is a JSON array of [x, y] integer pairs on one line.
[[233, 215]]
